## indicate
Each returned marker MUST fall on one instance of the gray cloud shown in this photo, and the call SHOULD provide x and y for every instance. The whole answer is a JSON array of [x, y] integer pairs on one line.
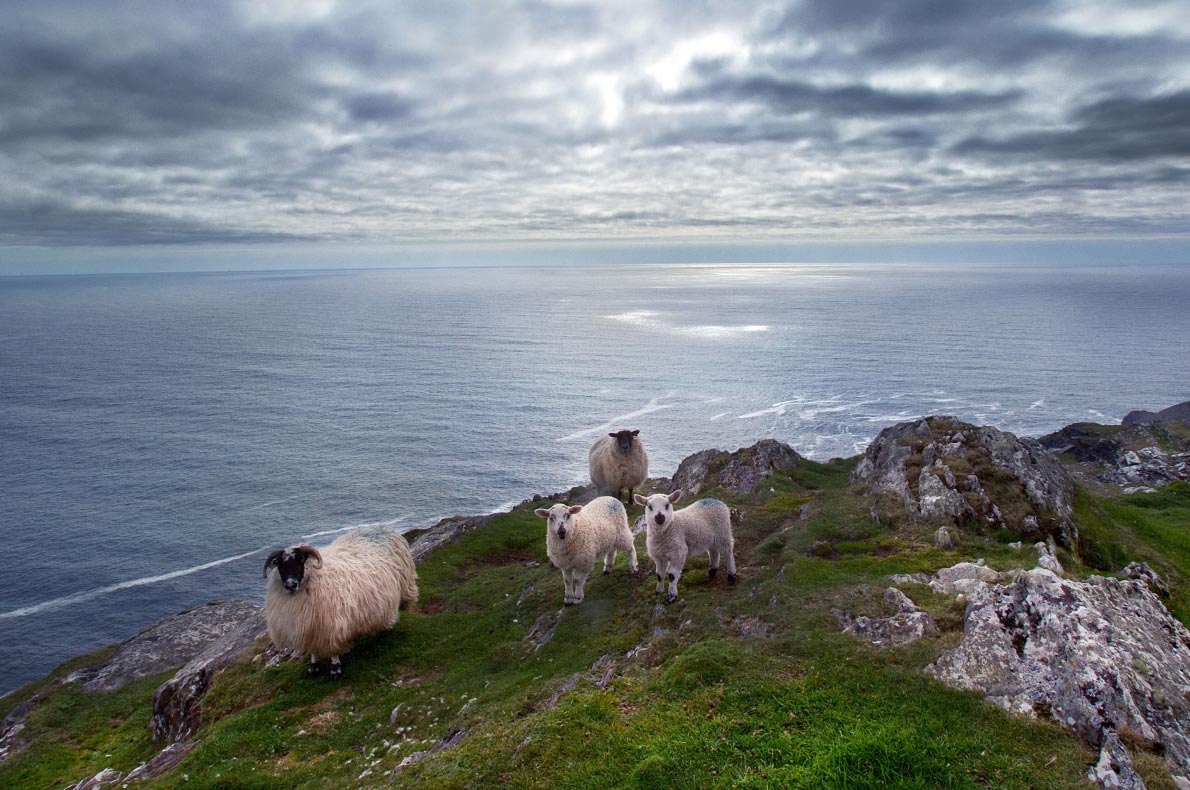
[[376, 122]]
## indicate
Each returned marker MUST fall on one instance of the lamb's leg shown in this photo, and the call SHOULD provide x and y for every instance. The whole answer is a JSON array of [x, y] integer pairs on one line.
[[336, 667], [633, 567], [657, 573], [714, 563], [568, 585], [730, 564], [312, 669], [672, 574], [609, 561], [580, 581]]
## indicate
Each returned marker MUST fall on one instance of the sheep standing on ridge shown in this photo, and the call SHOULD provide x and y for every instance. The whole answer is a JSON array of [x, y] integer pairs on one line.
[[619, 461], [319, 602], [673, 536], [577, 536]]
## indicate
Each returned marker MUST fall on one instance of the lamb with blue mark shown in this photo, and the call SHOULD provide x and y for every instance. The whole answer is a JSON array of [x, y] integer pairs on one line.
[[704, 526]]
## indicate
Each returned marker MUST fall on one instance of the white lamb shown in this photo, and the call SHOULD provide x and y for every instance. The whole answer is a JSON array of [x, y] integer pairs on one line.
[[704, 526], [618, 461], [577, 536], [354, 587]]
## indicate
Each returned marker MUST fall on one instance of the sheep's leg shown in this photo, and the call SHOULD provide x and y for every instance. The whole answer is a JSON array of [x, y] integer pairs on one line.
[[312, 669], [657, 573], [730, 564], [336, 667], [672, 574], [580, 581], [633, 566], [568, 585], [714, 563], [609, 561]]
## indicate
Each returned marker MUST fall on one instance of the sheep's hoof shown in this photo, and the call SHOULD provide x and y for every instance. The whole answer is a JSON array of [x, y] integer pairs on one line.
[[606, 571], [313, 670], [670, 598], [336, 670], [712, 572], [731, 578]]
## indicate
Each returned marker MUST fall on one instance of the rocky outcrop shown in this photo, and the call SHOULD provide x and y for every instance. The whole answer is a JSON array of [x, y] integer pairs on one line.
[[906, 624], [164, 645], [13, 724], [1179, 412], [740, 471], [177, 703], [943, 470], [1100, 657], [1142, 453]]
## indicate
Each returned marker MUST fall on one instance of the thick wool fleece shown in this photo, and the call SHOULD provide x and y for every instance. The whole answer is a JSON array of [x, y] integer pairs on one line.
[[613, 471]]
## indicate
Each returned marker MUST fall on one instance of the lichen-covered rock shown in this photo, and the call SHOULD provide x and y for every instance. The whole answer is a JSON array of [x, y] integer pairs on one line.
[[164, 645], [177, 703], [105, 778], [962, 578], [1098, 656], [1114, 770], [940, 469], [1137, 454], [943, 539], [1142, 572], [1047, 558], [740, 471], [908, 624]]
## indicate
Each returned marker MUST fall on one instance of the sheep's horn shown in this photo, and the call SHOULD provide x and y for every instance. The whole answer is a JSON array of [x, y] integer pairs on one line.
[[314, 553], [271, 561]]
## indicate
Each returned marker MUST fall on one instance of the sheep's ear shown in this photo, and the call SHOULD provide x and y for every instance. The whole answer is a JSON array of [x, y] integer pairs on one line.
[[636, 433], [312, 552], [640, 500], [574, 509], [272, 561], [674, 496], [542, 512], [614, 435]]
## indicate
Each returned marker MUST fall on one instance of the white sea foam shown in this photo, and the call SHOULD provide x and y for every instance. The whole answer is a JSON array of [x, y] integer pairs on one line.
[[720, 415], [653, 405], [1037, 404], [650, 319], [87, 595]]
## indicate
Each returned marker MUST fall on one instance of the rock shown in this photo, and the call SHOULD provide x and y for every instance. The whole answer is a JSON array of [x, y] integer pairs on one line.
[[740, 471], [1016, 545], [1138, 454], [1046, 558], [164, 645], [1138, 417], [448, 530], [1179, 412], [542, 630], [11, 741], [1142, 572], [105, 778], [963, 577], [177, 703], [165, 761], [1098, 656], [449, 742], [750, 627], [943, 539], [908, 624], [1114, 769], [907, 470]]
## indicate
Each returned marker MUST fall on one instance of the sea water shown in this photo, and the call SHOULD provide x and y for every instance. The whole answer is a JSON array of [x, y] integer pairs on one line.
[[159, 434]]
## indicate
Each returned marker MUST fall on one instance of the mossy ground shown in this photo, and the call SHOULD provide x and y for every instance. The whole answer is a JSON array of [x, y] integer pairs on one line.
[[658, 696]]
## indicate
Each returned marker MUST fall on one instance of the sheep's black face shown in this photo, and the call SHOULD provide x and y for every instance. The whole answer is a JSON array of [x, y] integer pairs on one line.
[[291, 568], [624, 439]]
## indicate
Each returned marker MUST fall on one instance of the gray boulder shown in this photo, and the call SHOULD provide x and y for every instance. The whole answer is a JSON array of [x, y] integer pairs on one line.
[[166, 644], [740, 471], [907, 624], [1098, 656], [937, 470]]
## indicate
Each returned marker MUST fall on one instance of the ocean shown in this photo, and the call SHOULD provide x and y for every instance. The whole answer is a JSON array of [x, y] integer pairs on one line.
[[160, 433]]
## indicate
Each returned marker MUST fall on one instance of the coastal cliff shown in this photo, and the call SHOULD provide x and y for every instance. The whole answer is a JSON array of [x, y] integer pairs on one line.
[[873, 593]]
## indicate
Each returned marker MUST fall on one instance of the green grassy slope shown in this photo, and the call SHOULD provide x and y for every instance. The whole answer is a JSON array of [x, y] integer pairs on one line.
[[750, 685]]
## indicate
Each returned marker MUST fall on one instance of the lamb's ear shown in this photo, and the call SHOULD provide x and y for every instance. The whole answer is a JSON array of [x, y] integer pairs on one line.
[[313, 552], [640, 500], [272, 561], [574, 509], [542, 512], [674, 496], [636, 433]]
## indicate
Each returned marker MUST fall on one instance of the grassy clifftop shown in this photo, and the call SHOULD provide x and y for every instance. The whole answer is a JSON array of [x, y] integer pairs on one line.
[[751, 685]]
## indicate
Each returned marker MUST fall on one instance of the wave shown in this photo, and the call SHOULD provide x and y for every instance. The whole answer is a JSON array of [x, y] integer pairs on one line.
[[88, 595], [650, 320], [650, 407]]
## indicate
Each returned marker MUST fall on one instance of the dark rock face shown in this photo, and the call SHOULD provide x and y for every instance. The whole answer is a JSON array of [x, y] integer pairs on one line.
[[1149, 452], [943, 470], [1098, 656], [740, 471], [166, 644], [177, 703], [11, 741], [1179, 412], [448, 530]]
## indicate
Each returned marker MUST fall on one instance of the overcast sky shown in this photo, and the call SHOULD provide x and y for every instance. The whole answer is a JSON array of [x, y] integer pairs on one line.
[[270, 125]]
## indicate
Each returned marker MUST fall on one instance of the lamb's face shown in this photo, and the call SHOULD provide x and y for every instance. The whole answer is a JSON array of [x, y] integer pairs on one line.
[[624, 439], [558, 519], [659, 509]]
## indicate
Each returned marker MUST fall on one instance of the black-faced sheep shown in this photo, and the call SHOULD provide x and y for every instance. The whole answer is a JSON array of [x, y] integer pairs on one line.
[[618, 461], [320, 601], [577, 536], [704, 526]]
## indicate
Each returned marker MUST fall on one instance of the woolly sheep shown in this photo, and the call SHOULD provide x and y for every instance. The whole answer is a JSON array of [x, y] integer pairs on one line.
[[576, 536], [673, 536], [618, 461], [354, 587]]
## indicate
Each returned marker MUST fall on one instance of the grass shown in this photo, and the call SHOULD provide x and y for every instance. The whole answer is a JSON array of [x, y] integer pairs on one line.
[[688, 700]]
